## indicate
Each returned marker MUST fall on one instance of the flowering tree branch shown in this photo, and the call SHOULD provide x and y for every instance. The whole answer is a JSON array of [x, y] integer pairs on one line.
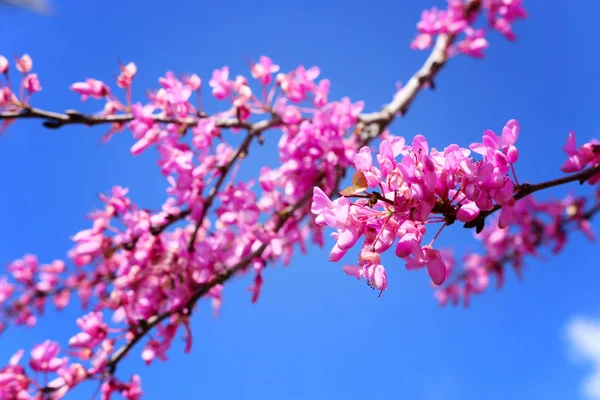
[[502, 248], [139, 266], [527, 189]]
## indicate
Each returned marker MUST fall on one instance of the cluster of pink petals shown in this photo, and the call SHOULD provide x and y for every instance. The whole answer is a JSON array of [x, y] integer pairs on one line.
[[587, 155], [415, 187], [129, 267], [536, 225], [21, 297], [30, 84], [133, 265], [457, 19], [503, 13], [90, 346]]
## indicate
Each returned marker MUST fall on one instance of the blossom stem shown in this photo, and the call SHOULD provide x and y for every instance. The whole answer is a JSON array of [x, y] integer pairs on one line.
[[526, 189]]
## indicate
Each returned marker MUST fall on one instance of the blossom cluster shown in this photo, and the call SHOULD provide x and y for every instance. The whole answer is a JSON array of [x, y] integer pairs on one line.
[[399, 198], [45, 358], [128, 263], [536, 225], [458, 18], [141, 271], [396, 201]]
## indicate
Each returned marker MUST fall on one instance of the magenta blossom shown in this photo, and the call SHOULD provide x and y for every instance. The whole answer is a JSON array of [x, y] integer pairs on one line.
[[44, 357]]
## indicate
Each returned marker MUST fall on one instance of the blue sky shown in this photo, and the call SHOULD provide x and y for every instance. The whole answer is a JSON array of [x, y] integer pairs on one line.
[[315, 333]]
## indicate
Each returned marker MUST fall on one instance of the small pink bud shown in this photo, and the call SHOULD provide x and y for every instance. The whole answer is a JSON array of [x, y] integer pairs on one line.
[[32, 83], [24, 64], [3, 65], [6, 96], [194, 82], [129, 70]]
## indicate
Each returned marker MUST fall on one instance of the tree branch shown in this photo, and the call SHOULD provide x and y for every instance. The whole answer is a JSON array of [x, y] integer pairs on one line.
[[373, 124], [254, 131], [588, 215], [527, 189], [369, 127], [380, 120], [54, 120], [220, 278]]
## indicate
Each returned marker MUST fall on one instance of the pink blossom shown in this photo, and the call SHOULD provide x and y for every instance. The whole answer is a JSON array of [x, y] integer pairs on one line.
[[143, 127], [24, 64], [133, 390], [32, 83], [126, 76], [426, 256], [363, 161], [23, 270], [6, 289], [474, 44], [44, 357], [422, 41], [244, 93], [93, 328], [193, 81], [6, 96], [587, 154], [91, 88], [220, 83], [3, 65], [264, 69]]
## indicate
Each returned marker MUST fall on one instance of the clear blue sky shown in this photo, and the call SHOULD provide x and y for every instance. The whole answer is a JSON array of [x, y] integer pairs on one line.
[[315, 333]]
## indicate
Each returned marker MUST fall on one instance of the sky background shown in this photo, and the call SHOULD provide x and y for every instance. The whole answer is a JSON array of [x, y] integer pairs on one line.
[[315, 333]]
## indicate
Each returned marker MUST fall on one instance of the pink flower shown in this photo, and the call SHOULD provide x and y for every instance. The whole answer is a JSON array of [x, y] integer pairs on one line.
[[587, 154], [3, 65], [126, 76], [32, 83], [193, 81], [204, 132], [474, 44], [133, 390], [264, 69], [426, 256], [422, 41], [143, 127], [374, 274], [44, 357], [244, 92], [24, 64], [6, 96], [370, 269], [23, 270], [67, 379], [220, 83], [91, 88], [6, 289], [256, 287], [363, 161], [94, 331], [321, 93], [89, 243]]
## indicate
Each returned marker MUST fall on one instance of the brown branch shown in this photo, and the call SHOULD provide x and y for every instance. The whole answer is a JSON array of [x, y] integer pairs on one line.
[[373, 124], [254, 131], [370, 125], [527, 189], [491, 267], [54, 120], [186, 309]]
